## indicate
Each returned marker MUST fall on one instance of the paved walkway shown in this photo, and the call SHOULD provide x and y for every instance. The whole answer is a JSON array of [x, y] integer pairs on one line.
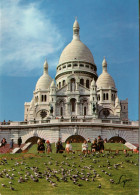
[[6, 148]]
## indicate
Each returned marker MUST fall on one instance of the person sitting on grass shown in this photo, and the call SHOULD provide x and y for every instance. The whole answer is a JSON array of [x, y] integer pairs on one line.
[[59, 146], [48, 147], [68, 147], [85, 147], [41, 147], [94, 146], [100, 144]]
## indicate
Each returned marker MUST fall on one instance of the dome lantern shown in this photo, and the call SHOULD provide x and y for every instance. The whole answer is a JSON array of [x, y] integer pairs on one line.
[[104, 65], [45, 67], [76, 29]]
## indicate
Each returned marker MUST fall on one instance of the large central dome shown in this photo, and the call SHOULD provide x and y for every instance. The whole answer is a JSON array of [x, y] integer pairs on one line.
[[76, 50]]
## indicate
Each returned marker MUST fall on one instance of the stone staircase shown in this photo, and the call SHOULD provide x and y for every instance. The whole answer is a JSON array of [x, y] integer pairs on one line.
[[6, 148]]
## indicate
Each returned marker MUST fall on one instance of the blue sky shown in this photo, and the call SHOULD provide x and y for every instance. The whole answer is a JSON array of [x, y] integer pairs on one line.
[[32, 31]]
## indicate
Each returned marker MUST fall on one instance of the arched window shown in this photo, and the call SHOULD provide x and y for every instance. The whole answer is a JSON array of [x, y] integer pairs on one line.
[[45, 98], [87, 83], [112, 97], [61, 111], [106, 96], [82, 81], [59, 85], [69, 65], [73, 102], [93, 98], [63, 82], [75, 65], [72, 84], [85, 111]]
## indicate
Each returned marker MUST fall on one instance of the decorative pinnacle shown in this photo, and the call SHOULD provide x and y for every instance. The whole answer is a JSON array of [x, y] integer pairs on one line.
[[76, 30], [104, 65], [46, 67]]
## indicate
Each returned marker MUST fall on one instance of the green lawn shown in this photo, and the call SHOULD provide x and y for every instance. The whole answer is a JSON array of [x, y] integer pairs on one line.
[[68, 165]]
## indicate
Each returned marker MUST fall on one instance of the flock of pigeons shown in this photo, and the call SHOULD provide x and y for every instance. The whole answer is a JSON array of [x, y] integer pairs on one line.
[[65, 170]]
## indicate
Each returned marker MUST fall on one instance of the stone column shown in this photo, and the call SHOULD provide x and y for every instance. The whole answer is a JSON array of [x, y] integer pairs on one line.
[[110, 95], [101, 95], [77, 108], [67, 109]]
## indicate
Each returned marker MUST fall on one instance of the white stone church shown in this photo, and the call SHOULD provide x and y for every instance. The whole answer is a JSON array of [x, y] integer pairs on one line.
[[77, 105], [78, 91]]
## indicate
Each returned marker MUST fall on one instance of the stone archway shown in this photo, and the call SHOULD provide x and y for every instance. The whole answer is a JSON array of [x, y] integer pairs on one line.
[[116, 139], [75, 139], [33, 139]]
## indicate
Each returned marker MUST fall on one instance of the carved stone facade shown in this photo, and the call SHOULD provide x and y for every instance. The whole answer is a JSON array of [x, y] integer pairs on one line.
[[78, 92]]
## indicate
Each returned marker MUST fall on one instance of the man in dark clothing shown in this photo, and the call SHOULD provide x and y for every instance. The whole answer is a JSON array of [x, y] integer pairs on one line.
[[41, 147], [100, 144], [19, 141], [59, 146]]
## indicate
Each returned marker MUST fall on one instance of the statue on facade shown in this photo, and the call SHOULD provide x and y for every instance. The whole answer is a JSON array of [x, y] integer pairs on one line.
[[51, 109], [94, 108]]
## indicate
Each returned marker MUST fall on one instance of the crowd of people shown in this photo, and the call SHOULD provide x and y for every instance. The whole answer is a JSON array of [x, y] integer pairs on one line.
[[97, 145], [4, 142]]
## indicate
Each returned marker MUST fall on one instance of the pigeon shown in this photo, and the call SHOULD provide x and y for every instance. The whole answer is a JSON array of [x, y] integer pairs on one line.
[[12, 188], [111, 181], [99, 186]]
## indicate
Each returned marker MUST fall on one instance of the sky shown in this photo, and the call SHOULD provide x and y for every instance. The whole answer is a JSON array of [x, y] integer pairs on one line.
[[34, 30]]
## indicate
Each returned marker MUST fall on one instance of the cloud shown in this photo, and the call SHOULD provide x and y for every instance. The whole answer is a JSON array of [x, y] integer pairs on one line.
[[28, 36]]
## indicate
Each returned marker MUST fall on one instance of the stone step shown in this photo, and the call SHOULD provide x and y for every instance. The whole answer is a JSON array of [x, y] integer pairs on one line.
[[130, 146], [26, 146]]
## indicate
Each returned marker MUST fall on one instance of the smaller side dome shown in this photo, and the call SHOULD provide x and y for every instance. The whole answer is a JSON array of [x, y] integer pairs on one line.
[[105, 80], [45, 80]]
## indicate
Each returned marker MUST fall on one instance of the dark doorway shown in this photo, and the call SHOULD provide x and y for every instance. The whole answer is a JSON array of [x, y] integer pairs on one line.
[[75, 139], [33, 140], [116, 139]]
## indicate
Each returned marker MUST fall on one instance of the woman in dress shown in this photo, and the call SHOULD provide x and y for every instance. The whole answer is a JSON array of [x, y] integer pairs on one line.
[[85, 147], [48, 147], [68, 147]]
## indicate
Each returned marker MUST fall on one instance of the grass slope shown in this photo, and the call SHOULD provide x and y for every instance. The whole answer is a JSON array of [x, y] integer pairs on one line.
[[70, 164]]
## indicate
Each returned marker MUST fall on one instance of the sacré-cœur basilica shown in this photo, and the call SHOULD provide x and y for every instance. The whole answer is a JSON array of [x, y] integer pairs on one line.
[[77, 105]]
